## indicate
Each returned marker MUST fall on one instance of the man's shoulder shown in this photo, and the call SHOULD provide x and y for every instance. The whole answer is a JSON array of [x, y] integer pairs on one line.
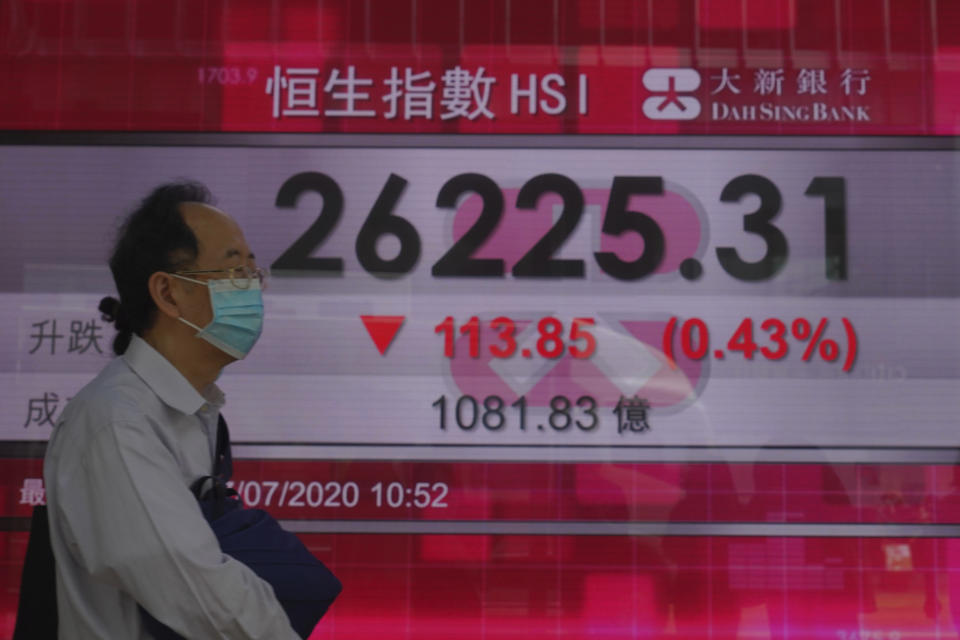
[[116, 393], [115, 397]]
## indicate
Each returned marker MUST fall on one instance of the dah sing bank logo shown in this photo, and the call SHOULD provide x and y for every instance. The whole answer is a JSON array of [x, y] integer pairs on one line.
[[668, 87], [779, 95]]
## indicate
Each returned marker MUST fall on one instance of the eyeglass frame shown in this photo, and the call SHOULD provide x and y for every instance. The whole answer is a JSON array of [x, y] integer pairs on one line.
[[261, 273]]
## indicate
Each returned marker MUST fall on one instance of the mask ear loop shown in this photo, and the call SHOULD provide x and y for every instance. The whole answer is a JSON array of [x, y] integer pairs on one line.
[[181, 318], [190, 324]]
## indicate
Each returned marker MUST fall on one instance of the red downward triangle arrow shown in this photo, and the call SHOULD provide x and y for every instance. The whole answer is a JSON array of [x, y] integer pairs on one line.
[[382, 329]]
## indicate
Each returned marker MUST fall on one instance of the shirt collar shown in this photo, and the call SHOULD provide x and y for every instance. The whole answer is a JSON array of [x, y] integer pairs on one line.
[[166, 381]]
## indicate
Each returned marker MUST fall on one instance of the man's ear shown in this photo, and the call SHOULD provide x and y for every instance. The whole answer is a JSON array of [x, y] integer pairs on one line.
[[161, 289]]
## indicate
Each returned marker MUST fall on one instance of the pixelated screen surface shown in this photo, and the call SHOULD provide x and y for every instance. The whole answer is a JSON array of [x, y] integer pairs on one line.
[[620, 319]]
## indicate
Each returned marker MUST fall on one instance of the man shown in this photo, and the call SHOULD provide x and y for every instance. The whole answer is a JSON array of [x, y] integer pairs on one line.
[[125, 528]]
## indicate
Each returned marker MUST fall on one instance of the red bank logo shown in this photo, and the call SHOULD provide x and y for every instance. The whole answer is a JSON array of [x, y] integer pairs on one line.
[[668, 84]]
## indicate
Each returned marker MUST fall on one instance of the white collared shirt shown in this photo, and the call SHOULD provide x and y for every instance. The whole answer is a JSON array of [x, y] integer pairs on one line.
[[125, 527]]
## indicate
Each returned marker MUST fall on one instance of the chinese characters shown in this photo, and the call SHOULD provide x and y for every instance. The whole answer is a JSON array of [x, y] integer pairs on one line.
[[32, 492], [408, 93], [84, 336], [771, 82], [632, 415]]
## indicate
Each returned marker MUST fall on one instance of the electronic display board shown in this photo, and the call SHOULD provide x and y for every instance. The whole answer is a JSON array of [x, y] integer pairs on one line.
[[631, 342]]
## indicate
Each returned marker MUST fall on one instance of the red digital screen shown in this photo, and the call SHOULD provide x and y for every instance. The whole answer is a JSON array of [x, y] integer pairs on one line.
[[613, 319]]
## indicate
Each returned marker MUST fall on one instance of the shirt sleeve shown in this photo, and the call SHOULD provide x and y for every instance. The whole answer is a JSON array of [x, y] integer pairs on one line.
[[137, 526]]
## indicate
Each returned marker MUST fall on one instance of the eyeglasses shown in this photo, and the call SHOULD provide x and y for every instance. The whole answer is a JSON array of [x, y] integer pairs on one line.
[[240, 277]]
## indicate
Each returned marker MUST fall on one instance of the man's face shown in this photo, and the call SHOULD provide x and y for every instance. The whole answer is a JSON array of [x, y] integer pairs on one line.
[[221, 245]]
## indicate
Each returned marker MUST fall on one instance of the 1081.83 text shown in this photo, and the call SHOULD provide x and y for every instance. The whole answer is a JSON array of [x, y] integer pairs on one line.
[[493, 414]]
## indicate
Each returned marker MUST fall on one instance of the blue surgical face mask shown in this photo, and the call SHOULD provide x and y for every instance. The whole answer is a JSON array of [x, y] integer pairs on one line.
[[237, 316]]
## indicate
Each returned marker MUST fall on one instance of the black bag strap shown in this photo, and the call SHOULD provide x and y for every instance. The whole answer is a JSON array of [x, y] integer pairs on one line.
[[223, 458], [37, 610], [215, 493]]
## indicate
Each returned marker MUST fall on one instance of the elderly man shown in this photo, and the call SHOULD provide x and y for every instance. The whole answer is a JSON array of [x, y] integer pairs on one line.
[[125, 528]]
